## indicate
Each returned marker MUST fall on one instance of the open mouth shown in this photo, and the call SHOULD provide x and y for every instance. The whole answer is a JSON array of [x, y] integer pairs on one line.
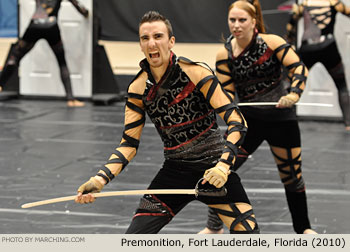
[[154, 55]]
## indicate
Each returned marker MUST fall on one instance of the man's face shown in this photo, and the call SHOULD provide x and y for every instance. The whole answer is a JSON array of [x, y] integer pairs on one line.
[[155, 43]]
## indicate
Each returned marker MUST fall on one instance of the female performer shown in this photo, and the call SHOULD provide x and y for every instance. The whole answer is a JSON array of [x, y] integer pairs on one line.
[[319, 45], [43, 24], [250, 64]]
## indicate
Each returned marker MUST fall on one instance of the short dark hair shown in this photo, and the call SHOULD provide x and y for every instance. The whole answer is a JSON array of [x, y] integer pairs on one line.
[[153, 16]]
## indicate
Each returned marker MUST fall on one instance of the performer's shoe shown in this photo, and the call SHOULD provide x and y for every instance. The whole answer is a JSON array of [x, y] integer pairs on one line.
[[75, 103], [309, 231], [211, 231]]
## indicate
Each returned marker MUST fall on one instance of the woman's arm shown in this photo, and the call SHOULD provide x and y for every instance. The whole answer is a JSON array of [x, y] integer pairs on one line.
[[296, 68]]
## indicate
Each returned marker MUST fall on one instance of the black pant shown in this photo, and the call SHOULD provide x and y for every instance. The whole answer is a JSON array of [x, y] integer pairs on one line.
[[179, 175], [26, 43], [283, 134], [329, 56]]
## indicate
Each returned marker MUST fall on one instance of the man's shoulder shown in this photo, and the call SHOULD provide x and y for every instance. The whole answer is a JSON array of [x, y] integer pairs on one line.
[[138, 84], [196, 71]]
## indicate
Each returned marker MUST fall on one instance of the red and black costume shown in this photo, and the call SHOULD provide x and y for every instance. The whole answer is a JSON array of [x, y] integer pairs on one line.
[[255, 75], [43, 25], [319, 45], [183, 107]]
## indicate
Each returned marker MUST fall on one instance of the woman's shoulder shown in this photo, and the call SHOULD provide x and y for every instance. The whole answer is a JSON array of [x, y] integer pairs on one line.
[[273, 41], [222, 53]]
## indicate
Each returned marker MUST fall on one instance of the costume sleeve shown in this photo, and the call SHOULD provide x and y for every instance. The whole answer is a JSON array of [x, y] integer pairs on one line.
[[228, 110], [340, 7], [80, 7], [224, 74], [134, 122], [296, 68], [296, 14]]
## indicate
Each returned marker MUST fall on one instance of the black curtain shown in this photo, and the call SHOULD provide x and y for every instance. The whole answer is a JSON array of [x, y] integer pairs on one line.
[[193, 21]]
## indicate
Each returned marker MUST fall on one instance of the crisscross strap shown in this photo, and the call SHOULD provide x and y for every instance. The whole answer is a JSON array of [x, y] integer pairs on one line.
[[284, 47], [221, 62], [181, 58], [240, 218], [129, 142], [108, 172], [291, 162], [218, 70], [211, 85], [298, 79]]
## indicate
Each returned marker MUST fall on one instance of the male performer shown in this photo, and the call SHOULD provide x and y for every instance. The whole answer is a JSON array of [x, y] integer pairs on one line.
[[44, 25], [181, 99]]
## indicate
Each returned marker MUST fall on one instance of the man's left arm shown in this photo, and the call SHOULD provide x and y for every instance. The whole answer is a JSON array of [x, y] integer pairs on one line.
[[228, 110]]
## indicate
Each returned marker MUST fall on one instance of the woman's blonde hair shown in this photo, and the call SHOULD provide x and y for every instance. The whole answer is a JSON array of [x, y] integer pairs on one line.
[[253, 8]]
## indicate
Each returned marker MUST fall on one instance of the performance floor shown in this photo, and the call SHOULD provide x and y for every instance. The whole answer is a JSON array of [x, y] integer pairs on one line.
[[47, 150]]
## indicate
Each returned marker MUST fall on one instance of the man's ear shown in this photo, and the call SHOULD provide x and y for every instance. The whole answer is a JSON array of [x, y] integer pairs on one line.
[[171, 42]]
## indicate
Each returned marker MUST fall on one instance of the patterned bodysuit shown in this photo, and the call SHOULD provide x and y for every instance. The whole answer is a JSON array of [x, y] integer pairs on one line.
[[182, 107], [256, 76]]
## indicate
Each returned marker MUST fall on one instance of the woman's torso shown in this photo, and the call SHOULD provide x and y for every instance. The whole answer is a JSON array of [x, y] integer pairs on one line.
[[257, 76]]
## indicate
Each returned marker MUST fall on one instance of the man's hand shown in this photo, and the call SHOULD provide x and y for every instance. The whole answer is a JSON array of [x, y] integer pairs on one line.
[[217, 176], [288, 100], [94, 185]]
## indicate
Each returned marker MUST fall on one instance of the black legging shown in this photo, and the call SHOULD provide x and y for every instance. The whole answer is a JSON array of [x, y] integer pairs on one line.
[[286, 135], [27, 42], [329, 56], [155, 211]]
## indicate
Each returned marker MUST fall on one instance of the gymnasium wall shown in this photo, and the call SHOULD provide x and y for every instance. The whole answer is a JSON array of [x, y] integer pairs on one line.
[[194, 21]]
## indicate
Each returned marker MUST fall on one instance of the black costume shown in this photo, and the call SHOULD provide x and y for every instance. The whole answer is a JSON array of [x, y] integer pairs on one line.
[[256, 76], [43, 25], [319, 45], [183, 111]]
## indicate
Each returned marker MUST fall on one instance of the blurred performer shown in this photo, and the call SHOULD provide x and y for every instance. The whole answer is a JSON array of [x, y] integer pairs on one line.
[[319, 45], [182, 99], [250, 65], [44, 25]]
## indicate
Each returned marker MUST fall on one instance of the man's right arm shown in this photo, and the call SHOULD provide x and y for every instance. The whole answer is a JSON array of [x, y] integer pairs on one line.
[[126, 151]]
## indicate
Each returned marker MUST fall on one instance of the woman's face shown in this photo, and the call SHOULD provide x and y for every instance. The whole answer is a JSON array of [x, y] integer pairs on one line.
[[240, 23]]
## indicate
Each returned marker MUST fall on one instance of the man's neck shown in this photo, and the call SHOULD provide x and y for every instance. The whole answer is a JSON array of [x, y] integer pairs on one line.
[[158, 72]]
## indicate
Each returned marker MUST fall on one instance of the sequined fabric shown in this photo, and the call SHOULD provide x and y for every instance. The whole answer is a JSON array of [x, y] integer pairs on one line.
[[256, 72], [184, 119]]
